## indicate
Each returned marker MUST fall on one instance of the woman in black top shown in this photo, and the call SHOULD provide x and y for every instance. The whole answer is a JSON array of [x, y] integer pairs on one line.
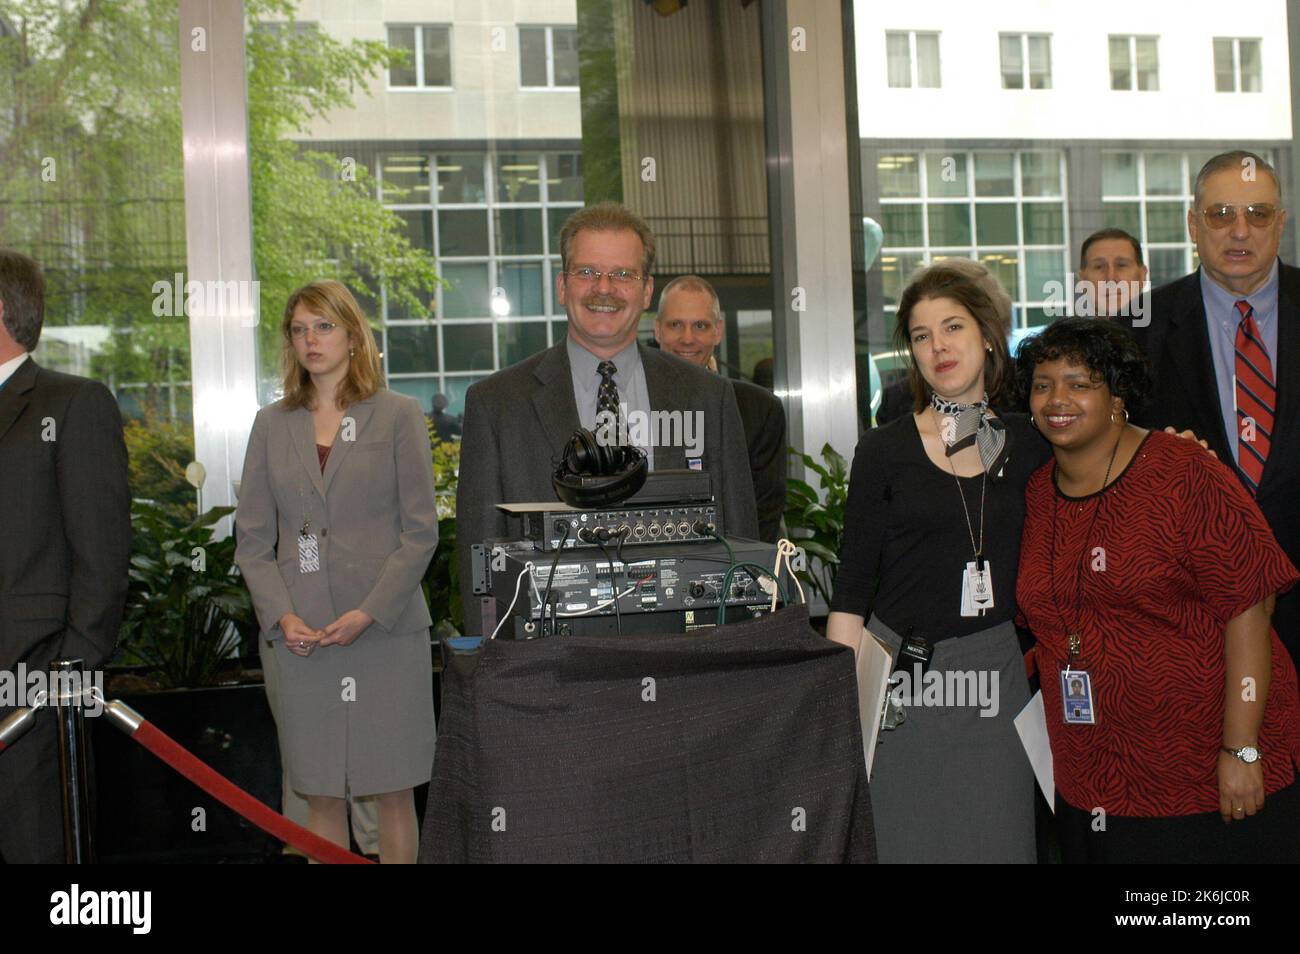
[[931, 548]]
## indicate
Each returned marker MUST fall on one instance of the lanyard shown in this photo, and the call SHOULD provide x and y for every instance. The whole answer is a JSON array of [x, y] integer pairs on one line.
[[976, 548], [1075, 638]]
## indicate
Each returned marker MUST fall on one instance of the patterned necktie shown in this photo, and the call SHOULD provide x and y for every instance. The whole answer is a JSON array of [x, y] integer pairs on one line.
[[1256, 398], [607, 394]]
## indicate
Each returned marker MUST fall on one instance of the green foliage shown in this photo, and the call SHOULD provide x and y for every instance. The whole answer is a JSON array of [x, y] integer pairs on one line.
[[157, 454], [816, 522], [442, 579], [187, 610]]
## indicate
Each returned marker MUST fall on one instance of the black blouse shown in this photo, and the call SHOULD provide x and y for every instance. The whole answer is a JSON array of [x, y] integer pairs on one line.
[[906, 538]]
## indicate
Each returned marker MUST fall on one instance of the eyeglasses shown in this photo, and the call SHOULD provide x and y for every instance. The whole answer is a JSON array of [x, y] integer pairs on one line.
[[323, 329], [1258, 215], [619, 276]]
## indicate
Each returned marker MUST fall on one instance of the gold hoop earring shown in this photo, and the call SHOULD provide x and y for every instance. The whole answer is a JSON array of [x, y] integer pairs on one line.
[[1113, 421], [1033, 421]]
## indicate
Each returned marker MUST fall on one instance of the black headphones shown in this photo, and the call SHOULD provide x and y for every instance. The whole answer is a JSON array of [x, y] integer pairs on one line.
[[592, 474]]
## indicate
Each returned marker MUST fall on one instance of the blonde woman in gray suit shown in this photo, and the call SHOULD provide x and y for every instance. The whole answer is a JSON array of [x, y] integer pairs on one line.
[[335, 528]]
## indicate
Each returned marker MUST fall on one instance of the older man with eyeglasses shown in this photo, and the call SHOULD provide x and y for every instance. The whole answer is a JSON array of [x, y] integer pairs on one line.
[[518, 420], [1224, 344]]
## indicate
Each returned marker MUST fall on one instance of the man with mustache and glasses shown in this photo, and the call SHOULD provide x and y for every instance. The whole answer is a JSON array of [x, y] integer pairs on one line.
[[1224, 346], [518, 420]]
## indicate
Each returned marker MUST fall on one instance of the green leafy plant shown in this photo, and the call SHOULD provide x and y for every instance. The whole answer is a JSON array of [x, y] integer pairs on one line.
[[187, 609], [158, 452], [442, 579], [816, 520]]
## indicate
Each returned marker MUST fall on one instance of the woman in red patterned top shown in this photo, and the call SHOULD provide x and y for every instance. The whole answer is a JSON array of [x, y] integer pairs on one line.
[[1147, 574]]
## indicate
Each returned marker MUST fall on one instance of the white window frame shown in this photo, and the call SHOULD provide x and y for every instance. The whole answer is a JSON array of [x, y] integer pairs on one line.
[[549, 31], [420, 86], [1237, 85], [1024, 62], [1131, 39], [913, 58]]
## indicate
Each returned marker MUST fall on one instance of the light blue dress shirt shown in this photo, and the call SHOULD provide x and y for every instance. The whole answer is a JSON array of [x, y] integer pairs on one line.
[[629, 378]]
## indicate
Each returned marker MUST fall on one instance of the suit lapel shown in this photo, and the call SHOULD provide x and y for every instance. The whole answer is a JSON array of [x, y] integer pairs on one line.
[[553, 401], [1188, 344], [664, 383], [1286, 370], [360, 414], [303, 433], [16, 394]]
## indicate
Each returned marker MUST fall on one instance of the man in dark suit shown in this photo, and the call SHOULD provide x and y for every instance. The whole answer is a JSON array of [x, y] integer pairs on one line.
[[689, 325], [67, 542], [518, 420], [1224, 345]]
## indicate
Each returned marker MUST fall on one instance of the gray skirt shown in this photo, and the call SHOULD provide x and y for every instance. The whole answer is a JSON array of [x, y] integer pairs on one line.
[[354, 719], [951, 785]]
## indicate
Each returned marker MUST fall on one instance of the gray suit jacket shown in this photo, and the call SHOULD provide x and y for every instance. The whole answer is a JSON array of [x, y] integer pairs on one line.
[[518, 420], [372, 511]]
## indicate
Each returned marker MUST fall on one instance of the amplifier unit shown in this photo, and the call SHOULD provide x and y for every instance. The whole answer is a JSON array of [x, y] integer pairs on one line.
[[546, 525]]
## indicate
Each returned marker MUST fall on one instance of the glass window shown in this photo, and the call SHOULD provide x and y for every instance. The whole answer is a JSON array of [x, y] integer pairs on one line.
[[437, 56], [949, 224], [1148, 67], [901, 223], [1123, 215], [405, 179], [462, 232], [898, 58], [1166, 264], [518, 178], [564, 43], [1005, 267], [460, 179], [454, 388], [1119, 173], [564, 176], [995, 173], [1166, 222], [1251, 69], [419, 228], [1121, 76], [1040, 62], [995, 223], [412, 348], [517, 340], [1040, 173], [467, 294], [1013, 62], [1044, 275], [900, 175], [895, 269], [519, 231], [468, 347], [927, 60], [1044, 223], [532, 56], [945, 175], [1164, 173], [522, 284], [402, 38], [1225, 74]]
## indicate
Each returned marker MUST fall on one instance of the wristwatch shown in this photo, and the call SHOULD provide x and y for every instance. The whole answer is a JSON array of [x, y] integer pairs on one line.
[[1247, 753]]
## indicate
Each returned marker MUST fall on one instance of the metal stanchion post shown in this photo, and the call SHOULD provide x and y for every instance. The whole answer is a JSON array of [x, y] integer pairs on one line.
[[78, 841]]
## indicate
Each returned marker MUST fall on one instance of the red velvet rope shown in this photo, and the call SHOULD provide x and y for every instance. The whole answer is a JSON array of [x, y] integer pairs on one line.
[[234, 797]]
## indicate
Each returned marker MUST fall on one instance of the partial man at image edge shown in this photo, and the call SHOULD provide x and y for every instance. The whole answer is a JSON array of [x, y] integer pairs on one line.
[[1224, 347], [67, 545], [689, 325], [518, 420]]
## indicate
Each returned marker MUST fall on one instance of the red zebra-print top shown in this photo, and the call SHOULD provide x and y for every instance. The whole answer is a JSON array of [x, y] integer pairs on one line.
[[1178, 549]]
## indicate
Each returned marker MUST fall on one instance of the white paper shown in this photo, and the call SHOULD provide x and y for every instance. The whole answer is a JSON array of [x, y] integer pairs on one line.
[[1031, 724], [874, 665]]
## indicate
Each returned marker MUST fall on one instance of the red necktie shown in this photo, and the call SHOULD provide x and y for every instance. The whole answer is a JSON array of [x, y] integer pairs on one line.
[[1256, 398]]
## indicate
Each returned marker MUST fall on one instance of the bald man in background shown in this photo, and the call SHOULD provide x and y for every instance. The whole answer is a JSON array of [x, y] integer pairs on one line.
[[689, 325]]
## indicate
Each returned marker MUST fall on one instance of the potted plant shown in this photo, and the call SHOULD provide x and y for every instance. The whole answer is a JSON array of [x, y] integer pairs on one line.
[[815, 520]]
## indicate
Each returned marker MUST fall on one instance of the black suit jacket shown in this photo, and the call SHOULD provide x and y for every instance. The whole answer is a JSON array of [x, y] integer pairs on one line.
[[65, 511], [67, 517], [518, 420], [1185, 394], [763, 417]]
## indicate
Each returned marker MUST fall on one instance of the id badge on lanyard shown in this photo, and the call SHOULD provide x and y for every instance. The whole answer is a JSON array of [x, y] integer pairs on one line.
[[976, 588], [1076, 689], [308, 545]]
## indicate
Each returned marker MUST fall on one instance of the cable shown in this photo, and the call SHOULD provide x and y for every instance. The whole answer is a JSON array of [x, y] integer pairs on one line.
[[550, 577], [613, 587], [519, 581], [605, 605], [784, 550]]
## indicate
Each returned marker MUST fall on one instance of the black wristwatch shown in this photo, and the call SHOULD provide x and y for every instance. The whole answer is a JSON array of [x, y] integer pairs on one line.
[[1247, 753]]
